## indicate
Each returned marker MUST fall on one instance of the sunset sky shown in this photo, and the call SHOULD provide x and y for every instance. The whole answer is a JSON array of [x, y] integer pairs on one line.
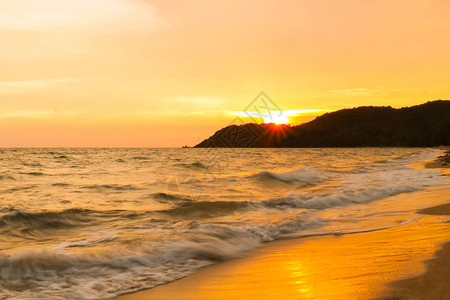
[[142, 73]]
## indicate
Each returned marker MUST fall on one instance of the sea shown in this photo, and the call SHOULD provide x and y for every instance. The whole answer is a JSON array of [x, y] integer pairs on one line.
[[78, 223]]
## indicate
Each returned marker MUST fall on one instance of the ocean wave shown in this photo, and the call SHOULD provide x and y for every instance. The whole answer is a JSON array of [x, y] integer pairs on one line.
[[168, 196], [114, 187], [23, 224], [20, 221], [139, 157], [110, 273], [33, 173], [362, 188], [266, 232], [307, 175], [205, 209], [19, 188], [103, 237], [60, 184], [337, 198], [32, 164], [91, 276], [7, 177], [194, 165]]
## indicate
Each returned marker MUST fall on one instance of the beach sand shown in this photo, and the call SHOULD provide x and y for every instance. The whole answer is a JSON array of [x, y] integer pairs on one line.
[[435, 282], [405, 262]]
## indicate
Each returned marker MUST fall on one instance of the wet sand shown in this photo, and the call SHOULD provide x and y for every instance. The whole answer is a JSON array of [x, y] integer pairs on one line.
[[435, 282], [406, 262], [443, 209], [442, 161]]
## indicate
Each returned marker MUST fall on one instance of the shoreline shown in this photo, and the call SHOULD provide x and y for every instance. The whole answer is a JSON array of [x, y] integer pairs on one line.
[[404, 262], [442, 161]]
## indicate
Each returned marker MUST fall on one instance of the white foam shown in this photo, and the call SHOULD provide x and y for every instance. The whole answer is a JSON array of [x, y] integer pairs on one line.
[[364, 187]]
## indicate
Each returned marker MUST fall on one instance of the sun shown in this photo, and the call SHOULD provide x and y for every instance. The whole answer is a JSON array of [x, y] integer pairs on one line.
[[277, 117], [279, 120]]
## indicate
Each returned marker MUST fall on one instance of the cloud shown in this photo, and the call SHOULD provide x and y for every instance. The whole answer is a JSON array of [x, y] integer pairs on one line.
[[14, 87], [79, 16]]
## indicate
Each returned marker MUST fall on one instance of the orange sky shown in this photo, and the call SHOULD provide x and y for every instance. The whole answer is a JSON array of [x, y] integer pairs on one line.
[[135, 73]]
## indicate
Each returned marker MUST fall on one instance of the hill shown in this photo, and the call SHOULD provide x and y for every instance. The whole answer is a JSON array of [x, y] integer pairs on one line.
[[422, 125]]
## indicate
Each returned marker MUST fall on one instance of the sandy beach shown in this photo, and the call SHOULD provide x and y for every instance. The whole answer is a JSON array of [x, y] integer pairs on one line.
[[404, 262], [435, 282]]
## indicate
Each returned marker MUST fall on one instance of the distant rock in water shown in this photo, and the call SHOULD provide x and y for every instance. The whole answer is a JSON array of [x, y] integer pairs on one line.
[[422, 125]]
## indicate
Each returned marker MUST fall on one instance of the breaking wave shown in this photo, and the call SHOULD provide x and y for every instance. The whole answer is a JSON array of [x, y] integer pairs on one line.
[[110, 273], [362, 188], [307, 175]]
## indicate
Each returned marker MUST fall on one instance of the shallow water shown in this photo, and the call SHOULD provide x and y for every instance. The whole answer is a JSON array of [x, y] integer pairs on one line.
[[95, 223]]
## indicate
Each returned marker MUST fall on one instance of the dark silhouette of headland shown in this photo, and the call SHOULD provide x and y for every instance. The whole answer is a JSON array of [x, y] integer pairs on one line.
[[424, 125]]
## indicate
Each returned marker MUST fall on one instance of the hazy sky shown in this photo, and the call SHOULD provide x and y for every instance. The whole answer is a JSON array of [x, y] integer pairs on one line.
[[135, 73]]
